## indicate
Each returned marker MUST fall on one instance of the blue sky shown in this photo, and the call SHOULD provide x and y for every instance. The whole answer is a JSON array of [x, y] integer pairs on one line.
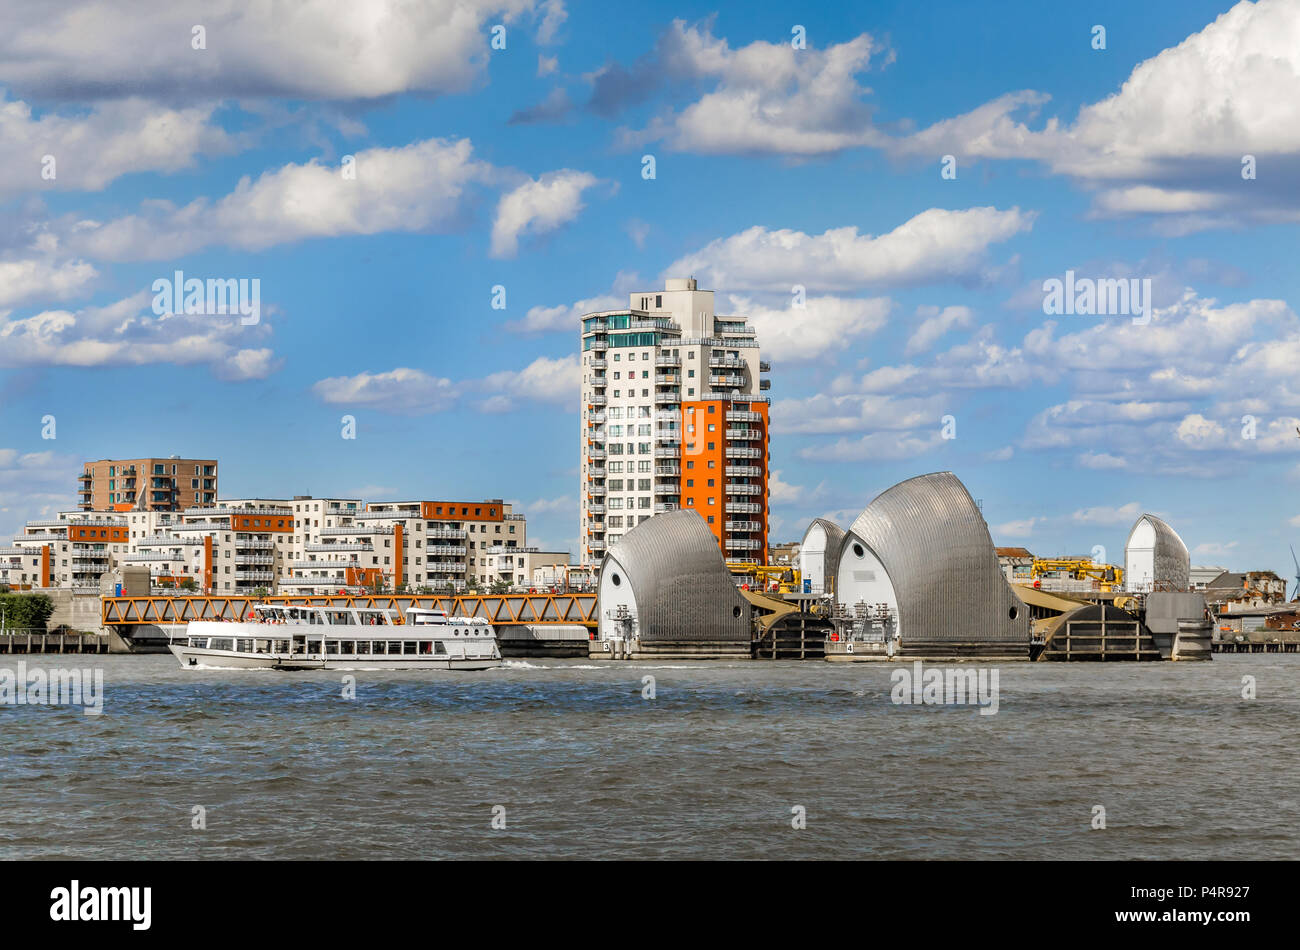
[[774, 167]]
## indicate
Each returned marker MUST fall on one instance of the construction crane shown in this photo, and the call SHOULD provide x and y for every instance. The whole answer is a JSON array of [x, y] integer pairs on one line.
[[1109, 576], [783, 579]]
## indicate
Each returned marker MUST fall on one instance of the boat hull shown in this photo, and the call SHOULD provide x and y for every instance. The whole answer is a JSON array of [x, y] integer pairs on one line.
[[199, 658]]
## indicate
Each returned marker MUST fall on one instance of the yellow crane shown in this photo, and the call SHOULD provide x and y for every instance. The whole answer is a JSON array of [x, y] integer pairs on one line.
[[1079, 568], [786, 577]]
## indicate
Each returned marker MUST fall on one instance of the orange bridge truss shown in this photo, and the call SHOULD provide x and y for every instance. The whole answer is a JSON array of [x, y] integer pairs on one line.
[[497, 609]]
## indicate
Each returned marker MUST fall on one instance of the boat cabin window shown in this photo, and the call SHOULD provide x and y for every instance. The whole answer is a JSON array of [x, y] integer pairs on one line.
[[349, 646], [363, 647], [221, 643]]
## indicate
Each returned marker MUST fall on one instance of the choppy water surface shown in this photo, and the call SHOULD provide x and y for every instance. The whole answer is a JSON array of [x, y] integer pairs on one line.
[[585, 767]]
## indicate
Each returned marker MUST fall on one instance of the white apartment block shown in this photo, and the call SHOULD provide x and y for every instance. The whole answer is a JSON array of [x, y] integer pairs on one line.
[[70, 550], [307, 545], [672, 415], [518, 566]]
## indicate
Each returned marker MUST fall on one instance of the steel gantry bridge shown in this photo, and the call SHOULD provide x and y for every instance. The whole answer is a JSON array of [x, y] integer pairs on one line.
[[497, 609]]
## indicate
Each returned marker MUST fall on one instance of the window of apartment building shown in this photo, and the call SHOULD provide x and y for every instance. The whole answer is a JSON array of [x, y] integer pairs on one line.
[[690, 374], [710, 519], [645, 393], [690, 464], [616, 393], [643, 502], [616, 357], [643, 448], [645, 356], [643, 484], [710, 485], [616, 484], [712, 464], [690, 483], [713, 427], [643, 430], [712, 446], [645, 374]]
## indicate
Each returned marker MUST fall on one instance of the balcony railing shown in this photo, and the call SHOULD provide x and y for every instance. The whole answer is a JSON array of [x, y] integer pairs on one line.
[[744, 544], [668, 397], [445, 567], [595, 471], [744, 471], [166, 541], [668, 379], [765, 366], [661, 507], [273, 512], [743, 508], [667, 452], [400, 514], [743, 415], [355, 529], [745, 435], [743, 452], [89, 522], [668, 361], [726, 362], [726, 379], [597, 400], [342, 547], [744, 489], [596, 509], [450, 534], [744, 525], [665, 469]]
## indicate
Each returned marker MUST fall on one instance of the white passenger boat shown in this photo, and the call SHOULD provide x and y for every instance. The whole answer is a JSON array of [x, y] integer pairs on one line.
[[281, 637]]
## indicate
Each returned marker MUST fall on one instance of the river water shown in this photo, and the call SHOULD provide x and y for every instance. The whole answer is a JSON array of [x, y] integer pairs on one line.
[[576, 763]]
